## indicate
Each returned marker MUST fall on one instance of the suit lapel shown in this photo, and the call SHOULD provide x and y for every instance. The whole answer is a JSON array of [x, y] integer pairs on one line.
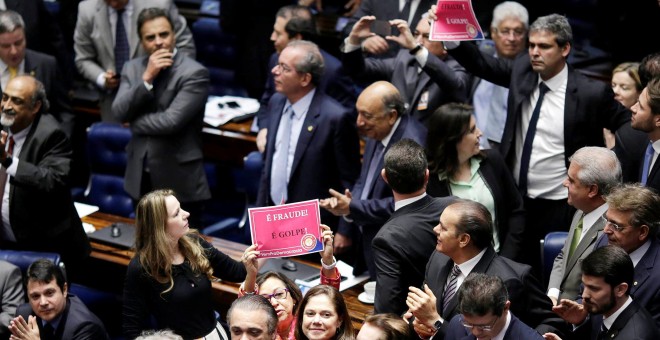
[[309, 127], [421, 85], [104, 27], [369, 150], [133, 41], [570, 108], [622, 320], [411, 82], [588, 239], [652, 173], [645, 266]]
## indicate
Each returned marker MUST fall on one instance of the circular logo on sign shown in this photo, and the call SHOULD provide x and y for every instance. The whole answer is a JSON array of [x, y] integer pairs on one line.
[[308, 242], [471, 30]]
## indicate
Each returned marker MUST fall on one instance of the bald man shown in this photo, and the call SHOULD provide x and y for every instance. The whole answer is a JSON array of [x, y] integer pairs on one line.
[[368, 205]]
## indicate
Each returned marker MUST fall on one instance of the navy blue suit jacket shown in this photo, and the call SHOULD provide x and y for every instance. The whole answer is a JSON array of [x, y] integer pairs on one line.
[[327, 154], [646, 287], [517, 330], [334, 82], [589, 104], [634, 323], [527, 298], [373, 212]]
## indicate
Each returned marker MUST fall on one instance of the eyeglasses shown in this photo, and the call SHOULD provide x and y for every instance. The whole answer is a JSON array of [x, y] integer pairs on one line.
[[424, 35], [484, 328], [284, 68], [508, 32], [278, 294], [613, 225]]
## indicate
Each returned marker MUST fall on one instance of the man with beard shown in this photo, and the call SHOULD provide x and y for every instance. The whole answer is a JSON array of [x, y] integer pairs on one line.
[[646, 118], [608, 311]]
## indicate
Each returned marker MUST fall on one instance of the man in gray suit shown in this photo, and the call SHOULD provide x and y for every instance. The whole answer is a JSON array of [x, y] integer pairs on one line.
[[592, 174], [96, 43], [162, 97], [11, 295]]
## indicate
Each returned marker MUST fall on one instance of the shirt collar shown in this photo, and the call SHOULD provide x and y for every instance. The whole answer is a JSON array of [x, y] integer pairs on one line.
[[4, 68], [467, 266], [20, 136], [500, 335], [656, 146], [302, 105], [558, 80], [609, 321], [385, 141], [402, 203], [638, 253], [591, 218]]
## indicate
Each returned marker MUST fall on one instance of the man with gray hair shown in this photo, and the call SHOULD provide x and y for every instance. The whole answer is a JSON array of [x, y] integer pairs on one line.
[[16, 60], [312, 144], [254, 316], [553, 110], [593, 173], [483, 302]]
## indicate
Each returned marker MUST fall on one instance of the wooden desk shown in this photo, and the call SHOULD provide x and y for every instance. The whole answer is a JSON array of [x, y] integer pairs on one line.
[[229, 142], [223, 292]]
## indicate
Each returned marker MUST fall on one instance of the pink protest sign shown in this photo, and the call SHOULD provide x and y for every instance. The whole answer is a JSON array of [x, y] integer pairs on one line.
[[456, 21], [287, 230]]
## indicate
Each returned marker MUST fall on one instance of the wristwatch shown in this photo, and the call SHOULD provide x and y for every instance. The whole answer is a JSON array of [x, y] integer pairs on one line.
[[437, 325], [7, 162], [415, 49]]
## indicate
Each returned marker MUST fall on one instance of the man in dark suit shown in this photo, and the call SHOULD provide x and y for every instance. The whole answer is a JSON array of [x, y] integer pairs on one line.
[[464, 238], [409, 11], [51, 312], [18, 60], [632, 224], [646, 118], [593, 173], [368, 205], [422, 71], [484, 306], [552, 111], [162, 97], [292, 23], [607, 275], [400, 265], [313, 144], [36, 159]]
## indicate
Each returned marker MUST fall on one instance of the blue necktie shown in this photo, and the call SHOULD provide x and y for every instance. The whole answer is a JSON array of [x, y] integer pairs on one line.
[[279, 176], [121, 43], [373, 170], [648, 156], [529, 139]]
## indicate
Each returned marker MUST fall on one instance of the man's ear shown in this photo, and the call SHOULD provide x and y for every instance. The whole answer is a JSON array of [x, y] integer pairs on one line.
[[383, 174]]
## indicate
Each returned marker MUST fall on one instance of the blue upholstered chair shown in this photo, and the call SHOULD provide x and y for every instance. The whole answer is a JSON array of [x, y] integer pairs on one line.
[[247, 181], [550, 248], [106, 152]]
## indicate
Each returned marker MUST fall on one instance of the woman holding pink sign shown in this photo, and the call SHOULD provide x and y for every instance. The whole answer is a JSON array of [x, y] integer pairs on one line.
[[284, 294], [169, 278]]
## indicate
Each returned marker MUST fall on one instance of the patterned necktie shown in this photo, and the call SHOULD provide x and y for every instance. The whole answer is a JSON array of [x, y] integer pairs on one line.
[[529, 139], [450, 290], [648, 156], [121, 43], [279, 175], [577, 233], [373, 170]]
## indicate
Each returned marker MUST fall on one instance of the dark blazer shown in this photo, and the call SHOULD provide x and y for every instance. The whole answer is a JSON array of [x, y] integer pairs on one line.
[[372, 213], [166, 126], [517, 330], [445, 80], [44, 68], [646, 287], [77, 321], [653, 179], [509, 210], [634, 322], [527, 298], [334, 82], [589, 107], [630, 148], [41, 182], [566, 272], [398, 264], [327, 154]]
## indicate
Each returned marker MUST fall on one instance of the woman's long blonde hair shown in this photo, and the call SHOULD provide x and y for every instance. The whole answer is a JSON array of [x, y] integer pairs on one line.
[[152, 244]]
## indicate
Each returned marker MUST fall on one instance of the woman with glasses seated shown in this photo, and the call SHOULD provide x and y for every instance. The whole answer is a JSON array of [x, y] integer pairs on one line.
[[284, 294], [169, 278]]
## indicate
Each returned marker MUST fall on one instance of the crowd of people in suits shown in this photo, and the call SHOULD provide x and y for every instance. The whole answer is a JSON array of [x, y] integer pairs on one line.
[[472, 154]]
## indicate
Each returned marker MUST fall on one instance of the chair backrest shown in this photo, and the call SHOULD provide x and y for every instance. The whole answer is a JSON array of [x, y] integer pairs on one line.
[[24, 258], [551, 245], [106, 151]]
